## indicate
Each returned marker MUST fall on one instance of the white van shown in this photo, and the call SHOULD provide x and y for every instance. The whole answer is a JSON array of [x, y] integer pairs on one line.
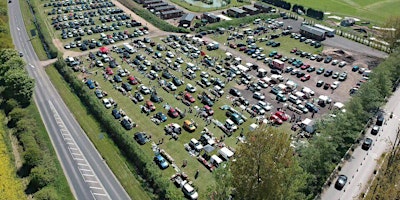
[[230, 125], [256, 21], [225, 153], [294, 99], [215, 160]]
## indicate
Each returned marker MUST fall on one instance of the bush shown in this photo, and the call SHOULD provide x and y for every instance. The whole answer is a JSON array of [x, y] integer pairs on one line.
[[46, 193], [41, 177]]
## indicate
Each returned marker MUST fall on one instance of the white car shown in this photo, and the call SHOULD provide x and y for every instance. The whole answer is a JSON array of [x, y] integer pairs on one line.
[[258, 96], [171, 86], [190, 88], [335, 85], [107, 103], [196, 144], [264, 105], [189, 191], [144, 90]]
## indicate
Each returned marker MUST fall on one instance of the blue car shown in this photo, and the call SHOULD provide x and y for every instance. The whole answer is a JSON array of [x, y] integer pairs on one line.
[[160, 160], [160, 116], [90, 84]]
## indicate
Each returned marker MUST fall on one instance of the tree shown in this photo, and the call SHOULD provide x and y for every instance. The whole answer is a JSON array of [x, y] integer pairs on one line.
[[19, 86], [7, 54], [266, 167], [41, 176], [12, 63], [223, 185], [15, 115], [46, 193], [392, 36]]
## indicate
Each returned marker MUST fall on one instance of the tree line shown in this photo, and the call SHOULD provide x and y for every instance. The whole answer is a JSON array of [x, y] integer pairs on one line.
[[39, 167]]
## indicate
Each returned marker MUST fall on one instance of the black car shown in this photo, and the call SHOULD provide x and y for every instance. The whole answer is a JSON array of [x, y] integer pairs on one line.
[[207, 101], [166, 74], [177, 81], [276, 71], [340, 182], [328, 73], [235, 92], [154, 98], [375, 129], [380, 119], [140, 138], [116, 114], [127, 86], [367, 144], [117, 79]]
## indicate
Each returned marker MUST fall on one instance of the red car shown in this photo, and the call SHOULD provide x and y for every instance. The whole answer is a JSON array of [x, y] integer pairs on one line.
[[281, 115], [233, 46], [150, 105], [293, 50], [277, 56], [306, 77], [242, 48], [208, 110], [305, 67], [132, 80], [109, 71], [276, 119], [173, 113], [189, 98]]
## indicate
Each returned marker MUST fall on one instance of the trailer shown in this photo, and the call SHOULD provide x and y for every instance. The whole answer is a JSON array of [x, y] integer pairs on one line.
[[129, 48], [278, 64]]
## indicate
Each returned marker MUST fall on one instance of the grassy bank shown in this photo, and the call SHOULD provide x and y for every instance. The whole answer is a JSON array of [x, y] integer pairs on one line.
[[10, 186], [30, 28], [115, 160]]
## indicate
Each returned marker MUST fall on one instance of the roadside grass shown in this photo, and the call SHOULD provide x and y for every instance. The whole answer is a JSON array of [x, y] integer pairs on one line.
[[200, 9], [60, 183], [113, 156], [174, 148], [30, 27], [374, 11]]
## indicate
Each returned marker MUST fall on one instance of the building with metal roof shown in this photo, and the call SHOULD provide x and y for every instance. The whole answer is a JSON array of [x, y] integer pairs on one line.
[[186, 20], [312, 32], [236, 12]]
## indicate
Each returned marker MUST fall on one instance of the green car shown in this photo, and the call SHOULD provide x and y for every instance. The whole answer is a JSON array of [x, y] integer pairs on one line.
[[320, 70]]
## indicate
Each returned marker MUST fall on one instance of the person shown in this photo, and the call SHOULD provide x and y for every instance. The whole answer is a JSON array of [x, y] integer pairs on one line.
[[197, 174]]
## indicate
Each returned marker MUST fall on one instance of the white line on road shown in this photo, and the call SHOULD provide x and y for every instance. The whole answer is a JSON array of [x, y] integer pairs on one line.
[[96, 188], [87, 174], [18, 29], [89, 181], [83, 164], [98, 194]]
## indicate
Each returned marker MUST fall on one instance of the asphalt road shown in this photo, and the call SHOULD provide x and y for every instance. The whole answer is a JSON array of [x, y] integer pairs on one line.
[[87, 173], [359, 169]]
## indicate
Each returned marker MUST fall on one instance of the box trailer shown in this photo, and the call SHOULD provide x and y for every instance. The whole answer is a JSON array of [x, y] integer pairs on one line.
[[278, 64]]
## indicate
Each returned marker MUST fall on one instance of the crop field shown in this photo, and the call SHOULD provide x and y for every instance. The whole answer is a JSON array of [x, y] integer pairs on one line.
[[370, 10]]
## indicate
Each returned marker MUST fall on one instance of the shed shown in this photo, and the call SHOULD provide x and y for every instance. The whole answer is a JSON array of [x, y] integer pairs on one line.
[[264, 8], [211, 18], [251, 10], [164, 8], [186, 20], [312, 32], [149, 2], [171, 14], [156, 5], [236, 12], [308, 125]]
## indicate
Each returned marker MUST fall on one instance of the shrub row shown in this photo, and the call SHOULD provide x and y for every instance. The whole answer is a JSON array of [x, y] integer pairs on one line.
[[237, 22], [43, 32], [153, 19], [337, 135], [143, 164]]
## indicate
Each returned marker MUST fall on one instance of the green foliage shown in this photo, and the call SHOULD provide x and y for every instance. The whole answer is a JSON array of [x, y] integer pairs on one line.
[[7, 54], [151, 18], [41, 176], [223, 185], [336, 136], [266, 165], [46, 193], [5, 37], [18, 86], [15, 115]]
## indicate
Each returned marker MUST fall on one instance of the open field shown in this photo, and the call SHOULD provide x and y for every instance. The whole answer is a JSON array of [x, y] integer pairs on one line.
[[117, 162], [369, 10]]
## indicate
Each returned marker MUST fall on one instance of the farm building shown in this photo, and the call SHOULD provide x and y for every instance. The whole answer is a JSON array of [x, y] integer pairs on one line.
[[164, 8], [156, 5], [171, 14], [236, 12], [148, 2], [211, 18], [330, 32], [312, 32], [263, 8], [250, 10], [186, 20]]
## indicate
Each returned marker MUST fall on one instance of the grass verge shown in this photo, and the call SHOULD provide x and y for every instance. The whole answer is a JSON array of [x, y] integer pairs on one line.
[[30, 28], [115, 160]]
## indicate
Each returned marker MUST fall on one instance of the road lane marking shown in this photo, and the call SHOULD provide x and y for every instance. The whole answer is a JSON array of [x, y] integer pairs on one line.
[[97, 188], [77, 155], [18, 29]]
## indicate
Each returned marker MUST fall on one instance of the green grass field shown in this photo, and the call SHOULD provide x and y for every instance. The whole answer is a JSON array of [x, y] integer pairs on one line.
[[370, 10]]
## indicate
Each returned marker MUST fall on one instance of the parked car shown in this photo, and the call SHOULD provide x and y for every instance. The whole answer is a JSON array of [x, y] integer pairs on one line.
[[161, 162], [140, 138], [235, 92], [375, 129], [367, 144]]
